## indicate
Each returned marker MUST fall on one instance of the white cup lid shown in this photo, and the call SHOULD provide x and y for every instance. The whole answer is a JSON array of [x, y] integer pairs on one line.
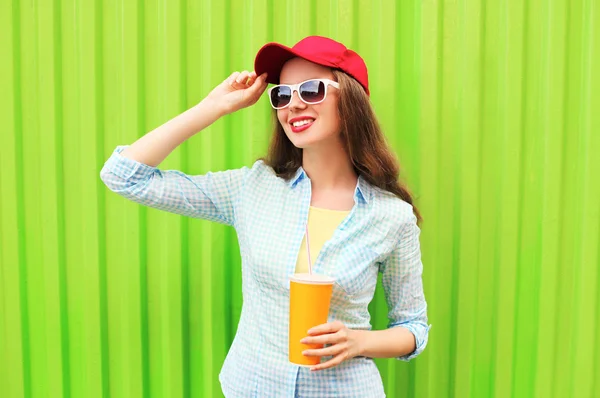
[[312, 279]]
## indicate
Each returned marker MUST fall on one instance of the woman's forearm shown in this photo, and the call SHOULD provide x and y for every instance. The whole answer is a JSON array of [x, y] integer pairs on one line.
[[388, 343], [155, 146], [238, 91]]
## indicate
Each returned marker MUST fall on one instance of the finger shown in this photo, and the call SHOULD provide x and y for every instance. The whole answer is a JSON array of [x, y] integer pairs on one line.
[[243, 77], [329, 364], [257, 79], [323, 352], [330, 327], [258, 86], [241, 82], [251, 78], [232, 77], [331, 338]]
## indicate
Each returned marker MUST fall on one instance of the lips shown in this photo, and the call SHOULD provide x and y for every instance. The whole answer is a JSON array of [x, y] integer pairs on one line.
[[301, 123]]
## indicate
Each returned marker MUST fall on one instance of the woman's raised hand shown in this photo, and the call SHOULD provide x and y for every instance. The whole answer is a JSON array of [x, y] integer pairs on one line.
[[238, 91]]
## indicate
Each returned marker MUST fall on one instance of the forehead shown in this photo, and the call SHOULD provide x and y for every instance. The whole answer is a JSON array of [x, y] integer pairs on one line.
[[297, 70]]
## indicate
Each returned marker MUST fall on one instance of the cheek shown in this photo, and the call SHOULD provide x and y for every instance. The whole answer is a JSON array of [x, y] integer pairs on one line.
[[333, 119], [282, 116]]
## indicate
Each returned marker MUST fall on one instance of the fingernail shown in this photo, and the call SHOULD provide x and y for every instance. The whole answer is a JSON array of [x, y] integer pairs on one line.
[[302, 341]]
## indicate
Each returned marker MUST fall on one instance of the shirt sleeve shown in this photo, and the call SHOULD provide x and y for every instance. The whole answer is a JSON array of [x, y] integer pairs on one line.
[[211, 196], [402, 282]]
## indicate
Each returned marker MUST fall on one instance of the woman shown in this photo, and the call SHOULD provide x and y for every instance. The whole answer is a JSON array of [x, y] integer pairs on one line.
[[329, 166]]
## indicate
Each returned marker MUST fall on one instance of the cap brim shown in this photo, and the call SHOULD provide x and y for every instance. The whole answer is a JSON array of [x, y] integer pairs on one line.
[[272, 56]]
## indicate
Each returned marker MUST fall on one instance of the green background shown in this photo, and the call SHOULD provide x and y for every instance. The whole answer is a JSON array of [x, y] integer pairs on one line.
[[492, 107]]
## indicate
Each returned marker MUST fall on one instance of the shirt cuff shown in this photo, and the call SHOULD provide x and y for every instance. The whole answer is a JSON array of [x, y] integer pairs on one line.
[[421, 334], [127, 168]]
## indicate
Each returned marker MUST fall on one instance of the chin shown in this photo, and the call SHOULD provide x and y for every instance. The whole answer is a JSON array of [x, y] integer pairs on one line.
[[302, 143]]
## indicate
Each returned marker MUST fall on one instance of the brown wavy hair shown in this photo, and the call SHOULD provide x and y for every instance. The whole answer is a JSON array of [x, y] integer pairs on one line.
[[363, 140]]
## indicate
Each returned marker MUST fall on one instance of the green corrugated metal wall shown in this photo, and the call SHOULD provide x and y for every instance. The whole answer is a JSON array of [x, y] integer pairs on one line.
[[492, 107]]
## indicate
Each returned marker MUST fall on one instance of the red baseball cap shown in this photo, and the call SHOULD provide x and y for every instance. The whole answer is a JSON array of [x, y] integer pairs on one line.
[[318, 49]]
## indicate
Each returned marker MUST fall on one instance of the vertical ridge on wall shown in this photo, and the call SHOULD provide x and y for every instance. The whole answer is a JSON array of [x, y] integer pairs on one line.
[[585, 278], [590, 346], [440, 280], [469, 76], [52, 303], [19, 315], [184, 296], [231, 18], [142, 127], [571, 215], [99, 73], [552, 180], [10, 337], [511, 68], [200, 292], [65, 366], [20, 202], [482, 327], [490, 108], [558, 386], [525, 310], [491, 158]]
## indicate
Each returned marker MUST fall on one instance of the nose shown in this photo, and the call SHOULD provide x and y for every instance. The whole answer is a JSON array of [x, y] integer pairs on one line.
[[296, 102]]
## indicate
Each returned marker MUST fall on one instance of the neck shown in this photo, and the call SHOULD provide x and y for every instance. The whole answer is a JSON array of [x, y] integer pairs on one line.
[[329, 167]]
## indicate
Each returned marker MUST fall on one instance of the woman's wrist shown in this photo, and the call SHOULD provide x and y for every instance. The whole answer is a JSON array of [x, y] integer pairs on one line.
[[208, 111], [362, 338], [388, 343]]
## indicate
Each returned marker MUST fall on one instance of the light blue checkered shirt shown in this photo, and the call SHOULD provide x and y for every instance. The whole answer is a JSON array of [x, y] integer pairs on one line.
[[269, 214]]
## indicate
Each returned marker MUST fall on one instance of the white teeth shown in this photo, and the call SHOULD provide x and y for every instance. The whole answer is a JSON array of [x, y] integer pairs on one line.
[[302, 122]]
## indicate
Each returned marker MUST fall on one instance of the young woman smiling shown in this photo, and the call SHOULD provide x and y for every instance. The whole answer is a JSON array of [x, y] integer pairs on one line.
[[328, 169]]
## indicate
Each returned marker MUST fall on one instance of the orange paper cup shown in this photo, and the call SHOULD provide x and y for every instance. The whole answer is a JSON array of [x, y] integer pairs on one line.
[[310, 296]]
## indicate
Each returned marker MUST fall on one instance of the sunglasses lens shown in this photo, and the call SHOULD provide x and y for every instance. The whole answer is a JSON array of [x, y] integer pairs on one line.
[[312, 91], [280, 96]]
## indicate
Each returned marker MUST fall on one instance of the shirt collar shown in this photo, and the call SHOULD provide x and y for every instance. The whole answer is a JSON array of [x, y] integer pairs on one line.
[[363, 188]]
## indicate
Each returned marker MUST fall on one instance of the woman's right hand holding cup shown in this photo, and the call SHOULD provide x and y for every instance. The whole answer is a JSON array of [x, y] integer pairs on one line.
[[238, 91]]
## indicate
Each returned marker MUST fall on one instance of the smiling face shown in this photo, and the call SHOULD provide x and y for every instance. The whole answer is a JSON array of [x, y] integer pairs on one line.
[[309, 126]]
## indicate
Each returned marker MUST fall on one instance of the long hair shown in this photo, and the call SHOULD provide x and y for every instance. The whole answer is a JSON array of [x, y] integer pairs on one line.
[[362, 138]]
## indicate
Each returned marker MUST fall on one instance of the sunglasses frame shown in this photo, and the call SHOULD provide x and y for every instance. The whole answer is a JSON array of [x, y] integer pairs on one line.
[[296, 88]]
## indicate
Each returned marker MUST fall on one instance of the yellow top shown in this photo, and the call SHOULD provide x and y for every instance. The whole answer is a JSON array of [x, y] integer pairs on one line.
[[322, 223]]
